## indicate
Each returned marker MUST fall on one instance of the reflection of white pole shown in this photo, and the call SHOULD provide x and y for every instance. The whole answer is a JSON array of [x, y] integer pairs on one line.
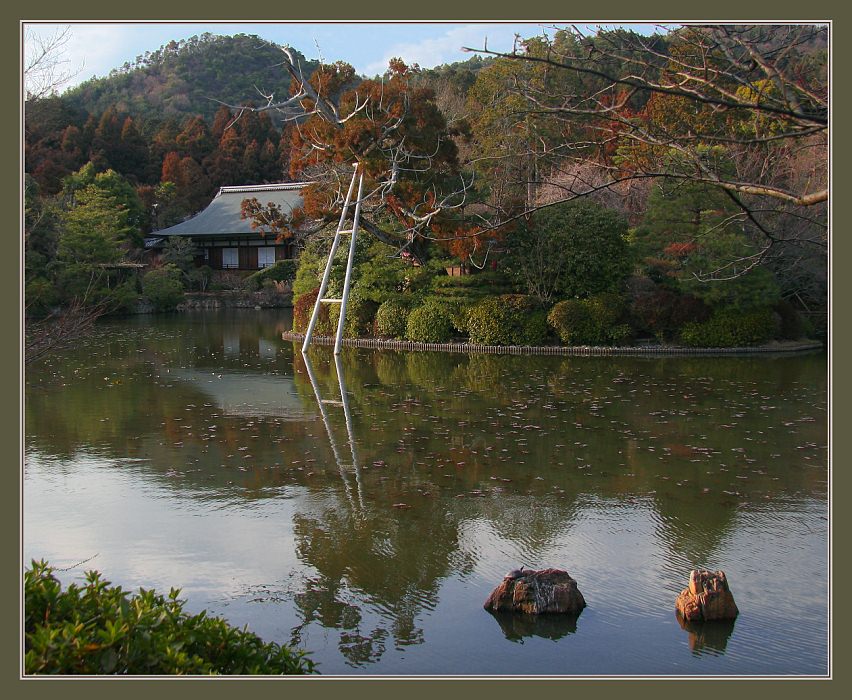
[[328, 431], [349, 263], [324, 284], [344, 397]]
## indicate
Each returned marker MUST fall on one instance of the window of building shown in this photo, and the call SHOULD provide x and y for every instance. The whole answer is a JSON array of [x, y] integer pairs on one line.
[[230, 258], [265, 256]]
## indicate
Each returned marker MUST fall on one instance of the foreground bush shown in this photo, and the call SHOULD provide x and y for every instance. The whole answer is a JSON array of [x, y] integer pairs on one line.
[[597, 320], [100, 629], [509, 319], [730, 328], [429, 323]]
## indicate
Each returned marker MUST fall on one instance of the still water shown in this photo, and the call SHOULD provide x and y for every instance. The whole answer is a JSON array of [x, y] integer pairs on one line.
[[191, 451]]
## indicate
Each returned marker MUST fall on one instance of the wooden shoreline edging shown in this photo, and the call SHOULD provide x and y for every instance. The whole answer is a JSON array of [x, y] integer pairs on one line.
[[570, 350]]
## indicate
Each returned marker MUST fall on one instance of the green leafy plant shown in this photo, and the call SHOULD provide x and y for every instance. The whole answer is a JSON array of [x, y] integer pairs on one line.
[[392, 319], [598, 320], [281, 271], [429, 323], [731, 328], [360, 315], [164, 287], [508, 319], [101, 629]]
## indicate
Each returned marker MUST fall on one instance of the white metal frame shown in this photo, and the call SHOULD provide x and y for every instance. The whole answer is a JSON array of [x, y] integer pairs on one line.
[[321, 298]]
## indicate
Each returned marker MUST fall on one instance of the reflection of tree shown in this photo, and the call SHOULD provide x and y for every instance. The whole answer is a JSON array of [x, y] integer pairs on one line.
[[383, 554], [515, 442]]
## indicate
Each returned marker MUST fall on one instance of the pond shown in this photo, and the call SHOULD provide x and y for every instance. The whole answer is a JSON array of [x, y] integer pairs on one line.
[[191, 450]]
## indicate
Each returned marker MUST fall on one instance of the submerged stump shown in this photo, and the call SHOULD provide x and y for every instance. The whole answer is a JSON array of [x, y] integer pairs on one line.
[[708, 597], [536, 593]]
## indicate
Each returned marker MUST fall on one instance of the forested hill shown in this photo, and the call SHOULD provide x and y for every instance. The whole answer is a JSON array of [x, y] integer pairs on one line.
[[185, 78]]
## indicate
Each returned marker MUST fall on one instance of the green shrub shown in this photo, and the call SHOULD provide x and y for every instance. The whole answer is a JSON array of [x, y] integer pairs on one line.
[[164, 287], [572, 249], [508, 319], [392, 319], [597, 320], [730, 328], [303, 307], [101, 629], [360, 315], [429, 323], [281, 271]]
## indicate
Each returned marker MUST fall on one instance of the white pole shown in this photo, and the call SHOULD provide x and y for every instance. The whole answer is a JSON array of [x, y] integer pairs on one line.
[[338, 342], [324, 284]]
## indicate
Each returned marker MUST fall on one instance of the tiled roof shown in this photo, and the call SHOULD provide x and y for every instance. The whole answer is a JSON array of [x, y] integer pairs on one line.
[[222, 215]]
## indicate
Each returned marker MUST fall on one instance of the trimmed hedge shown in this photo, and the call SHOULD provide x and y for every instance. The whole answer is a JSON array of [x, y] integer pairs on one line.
[[429, 323], [508, 319], [101, 629], [392, 319], [731, 328], [597, 320]]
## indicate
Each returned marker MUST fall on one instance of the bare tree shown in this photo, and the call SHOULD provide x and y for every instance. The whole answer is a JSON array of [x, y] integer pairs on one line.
[[739, 108], [45, 67]]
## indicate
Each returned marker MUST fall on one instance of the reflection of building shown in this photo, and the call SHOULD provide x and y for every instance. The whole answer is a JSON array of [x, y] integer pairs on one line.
[[226, 241], [245, 394]]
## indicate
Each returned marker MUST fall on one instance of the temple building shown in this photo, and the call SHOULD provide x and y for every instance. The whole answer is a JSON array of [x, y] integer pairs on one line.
[[226, 241]]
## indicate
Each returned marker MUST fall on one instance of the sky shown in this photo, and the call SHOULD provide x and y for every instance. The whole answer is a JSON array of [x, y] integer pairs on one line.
[[96, 48]]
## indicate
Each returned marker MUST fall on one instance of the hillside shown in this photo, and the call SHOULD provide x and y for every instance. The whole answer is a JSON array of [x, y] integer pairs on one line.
[[185, 78]]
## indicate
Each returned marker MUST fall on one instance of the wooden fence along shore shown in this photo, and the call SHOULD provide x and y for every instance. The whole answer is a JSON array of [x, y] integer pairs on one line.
[[575, 350]]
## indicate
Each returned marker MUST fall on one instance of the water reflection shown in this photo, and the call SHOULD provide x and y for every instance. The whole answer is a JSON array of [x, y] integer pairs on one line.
[[707, 637], [344, 403], [405, 480], [517, 626]]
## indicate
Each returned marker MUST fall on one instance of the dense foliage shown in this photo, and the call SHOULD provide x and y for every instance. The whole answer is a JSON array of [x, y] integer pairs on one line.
[[429, 323], [99, 629], [508, 319], [598, 320], [574, 249], [163, 287], [392, 319], [731, 328]]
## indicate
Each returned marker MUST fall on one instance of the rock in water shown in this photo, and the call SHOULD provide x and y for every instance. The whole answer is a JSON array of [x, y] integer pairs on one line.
[[537, 592], [707, 597]]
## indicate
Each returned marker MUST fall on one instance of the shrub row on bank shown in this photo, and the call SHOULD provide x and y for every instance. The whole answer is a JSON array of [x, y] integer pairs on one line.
[[514, 319]]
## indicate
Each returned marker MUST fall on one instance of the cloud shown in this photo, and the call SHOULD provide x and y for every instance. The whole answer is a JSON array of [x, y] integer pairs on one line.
[[446, 48]]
